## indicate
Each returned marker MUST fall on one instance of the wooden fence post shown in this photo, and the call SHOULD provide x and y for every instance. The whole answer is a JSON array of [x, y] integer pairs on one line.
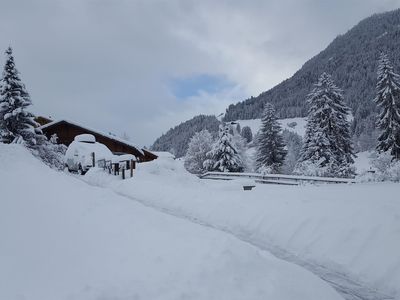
[[131, 167], [123, 173], [93, 159], [116, 169]]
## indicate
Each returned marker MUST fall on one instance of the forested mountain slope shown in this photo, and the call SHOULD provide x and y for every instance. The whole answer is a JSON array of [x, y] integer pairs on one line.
[[351, 59], [176, 139]]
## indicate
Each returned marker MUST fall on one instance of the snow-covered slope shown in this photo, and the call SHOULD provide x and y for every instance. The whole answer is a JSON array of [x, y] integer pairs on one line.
[[63, 239], [343, 229], [289, 124], [362, 162]]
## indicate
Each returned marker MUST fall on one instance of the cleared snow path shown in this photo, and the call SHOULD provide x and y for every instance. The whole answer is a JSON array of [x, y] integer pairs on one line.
[[345, 234], [347, 287], [345, 284]]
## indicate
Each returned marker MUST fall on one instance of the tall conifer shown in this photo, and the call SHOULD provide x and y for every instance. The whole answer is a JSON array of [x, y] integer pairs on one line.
[[388, 99], [327, 143], [271, 150], [17, 124]]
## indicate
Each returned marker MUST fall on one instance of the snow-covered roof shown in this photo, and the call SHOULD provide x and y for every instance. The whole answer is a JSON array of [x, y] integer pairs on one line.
[[107, 135]]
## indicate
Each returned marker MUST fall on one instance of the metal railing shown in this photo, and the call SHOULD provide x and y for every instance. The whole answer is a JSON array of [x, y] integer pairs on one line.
[[274, 178]]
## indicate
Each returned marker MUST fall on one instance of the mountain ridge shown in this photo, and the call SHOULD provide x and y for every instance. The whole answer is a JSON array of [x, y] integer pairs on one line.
[[351, 59]]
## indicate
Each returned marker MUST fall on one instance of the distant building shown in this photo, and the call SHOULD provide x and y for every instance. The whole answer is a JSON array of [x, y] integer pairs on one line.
[[67, 130]]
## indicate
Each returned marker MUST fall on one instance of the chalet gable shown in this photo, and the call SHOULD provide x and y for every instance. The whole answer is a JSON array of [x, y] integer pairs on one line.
[[67, 130]]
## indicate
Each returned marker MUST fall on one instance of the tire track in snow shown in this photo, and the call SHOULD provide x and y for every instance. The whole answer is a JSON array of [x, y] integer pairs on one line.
[[347, 287]]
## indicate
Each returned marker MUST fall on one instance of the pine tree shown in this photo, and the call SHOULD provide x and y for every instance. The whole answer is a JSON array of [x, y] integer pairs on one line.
[[199, 145], [271, 150], [240, 145], [223, 156], [388, 99], [247, 134], [16, 122], [327, 142], [238, 128]]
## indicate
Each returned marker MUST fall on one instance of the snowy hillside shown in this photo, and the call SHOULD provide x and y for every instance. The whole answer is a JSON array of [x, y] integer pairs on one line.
[[74, 241], [346, 234], [297, 125]]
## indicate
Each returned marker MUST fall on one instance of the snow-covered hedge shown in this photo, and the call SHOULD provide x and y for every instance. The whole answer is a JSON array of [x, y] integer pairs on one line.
[[51, 154], [385, 168]]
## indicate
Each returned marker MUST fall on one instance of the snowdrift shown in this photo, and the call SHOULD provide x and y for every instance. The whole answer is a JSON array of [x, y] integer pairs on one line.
[[63, 239], [349, 229]]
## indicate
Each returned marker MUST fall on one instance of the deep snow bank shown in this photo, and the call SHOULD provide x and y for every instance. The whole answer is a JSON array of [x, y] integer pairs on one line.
[[353, 229], [63, 239]]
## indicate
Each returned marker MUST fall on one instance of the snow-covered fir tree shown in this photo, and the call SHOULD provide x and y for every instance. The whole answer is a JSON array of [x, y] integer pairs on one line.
[[240, 144], [327, 148], [17, 124], [271, 150], [200, 144], [247, 134], [223, 156], [238, 128], [388, 99]]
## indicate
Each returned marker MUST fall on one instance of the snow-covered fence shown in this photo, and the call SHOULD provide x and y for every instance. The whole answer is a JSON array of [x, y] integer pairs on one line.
[[127, 164], [274, 178], [115, 167]]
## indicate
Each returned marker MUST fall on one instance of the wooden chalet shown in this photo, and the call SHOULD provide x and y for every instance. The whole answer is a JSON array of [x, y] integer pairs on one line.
[[66, 132]]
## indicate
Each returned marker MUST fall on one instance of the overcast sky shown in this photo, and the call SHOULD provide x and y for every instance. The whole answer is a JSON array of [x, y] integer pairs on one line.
[[143, 66]]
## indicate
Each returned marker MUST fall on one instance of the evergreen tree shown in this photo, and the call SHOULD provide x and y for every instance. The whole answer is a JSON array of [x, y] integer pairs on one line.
[[271, 150], [388, 99], [247, 134], [240, 144], [16, 122], [327, 143], [223, 156], [199, 145], [238, 128]]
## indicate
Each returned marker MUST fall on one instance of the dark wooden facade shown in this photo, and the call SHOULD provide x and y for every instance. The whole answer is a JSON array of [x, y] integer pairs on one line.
[[66, 132]]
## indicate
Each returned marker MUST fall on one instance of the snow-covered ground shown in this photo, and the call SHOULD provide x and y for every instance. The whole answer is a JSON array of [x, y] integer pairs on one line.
[[348, 233], [61, 238], [362, 162], [299, 128]]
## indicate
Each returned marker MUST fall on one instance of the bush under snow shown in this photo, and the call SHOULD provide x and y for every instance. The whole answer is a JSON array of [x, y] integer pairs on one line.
[[385, 167]]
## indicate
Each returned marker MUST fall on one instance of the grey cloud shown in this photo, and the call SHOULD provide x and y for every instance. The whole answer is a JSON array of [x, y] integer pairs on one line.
[[107, 63]]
